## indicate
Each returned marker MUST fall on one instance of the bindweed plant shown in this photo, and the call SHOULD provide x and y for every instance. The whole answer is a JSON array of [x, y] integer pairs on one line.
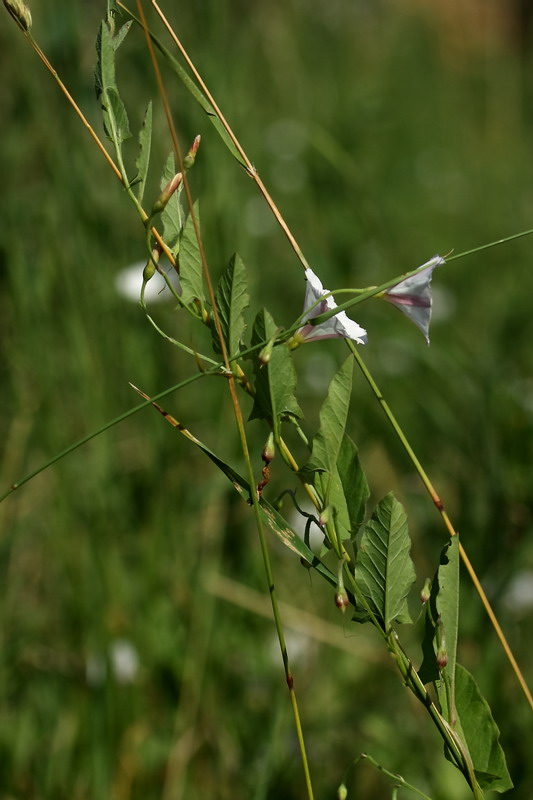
[[365, 553]]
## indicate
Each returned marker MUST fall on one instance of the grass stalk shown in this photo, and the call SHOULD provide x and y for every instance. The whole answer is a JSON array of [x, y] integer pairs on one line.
[[295, 246], [239, 422]]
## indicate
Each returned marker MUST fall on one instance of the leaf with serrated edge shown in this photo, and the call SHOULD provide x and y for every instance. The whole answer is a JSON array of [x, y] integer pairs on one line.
[[333, 416], [191, 272], [232, 300], [143, 159], [275, 382], [480, 732], [384, 571]]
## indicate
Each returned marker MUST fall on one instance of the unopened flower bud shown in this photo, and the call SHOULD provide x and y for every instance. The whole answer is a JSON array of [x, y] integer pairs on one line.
[[167, 193], [442, 652], [324, 517], [20, 12], [342, 792], [269, 450], [149, 270], [341, 599], [442, 657], [190, 158], [295, 341], [425, 592], [266, 353]]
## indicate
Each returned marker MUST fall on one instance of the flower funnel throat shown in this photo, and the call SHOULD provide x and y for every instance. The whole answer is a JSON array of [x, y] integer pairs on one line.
[[413, 296], [338, 327]]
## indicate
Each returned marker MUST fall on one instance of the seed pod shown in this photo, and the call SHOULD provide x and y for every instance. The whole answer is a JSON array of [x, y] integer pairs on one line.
[[20, 12]]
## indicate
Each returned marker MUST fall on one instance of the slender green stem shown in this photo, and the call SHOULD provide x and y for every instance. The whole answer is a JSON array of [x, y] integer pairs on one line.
[[489, 245], [402, 783]]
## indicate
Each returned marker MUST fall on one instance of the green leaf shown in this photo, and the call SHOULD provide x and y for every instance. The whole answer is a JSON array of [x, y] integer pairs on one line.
[[480, 733], [191, 271], [329, 485], [143, 159], [384, 571], [347, 490], [354, 483], [333, 415], [115, 116], [104, 73], [442, 628], [275, 382], [121, 35], [232, 300]]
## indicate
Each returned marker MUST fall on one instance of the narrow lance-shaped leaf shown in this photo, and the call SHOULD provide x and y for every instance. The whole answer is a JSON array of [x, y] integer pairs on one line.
[[477, 728], [115, 118], [384, 571], [333, 415], [191, 270], [275, 381], [232, 300], [104, 72], [143, 159], [121, 34]]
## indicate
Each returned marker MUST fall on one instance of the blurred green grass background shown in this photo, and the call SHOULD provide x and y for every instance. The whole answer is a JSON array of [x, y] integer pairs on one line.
[[129, 666]]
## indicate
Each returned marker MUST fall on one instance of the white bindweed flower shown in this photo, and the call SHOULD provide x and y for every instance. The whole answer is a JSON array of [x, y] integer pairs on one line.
[[338, 327], [413, 297]]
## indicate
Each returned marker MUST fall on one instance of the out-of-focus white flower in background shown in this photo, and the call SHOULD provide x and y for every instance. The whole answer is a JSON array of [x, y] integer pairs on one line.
[[128, 282]]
